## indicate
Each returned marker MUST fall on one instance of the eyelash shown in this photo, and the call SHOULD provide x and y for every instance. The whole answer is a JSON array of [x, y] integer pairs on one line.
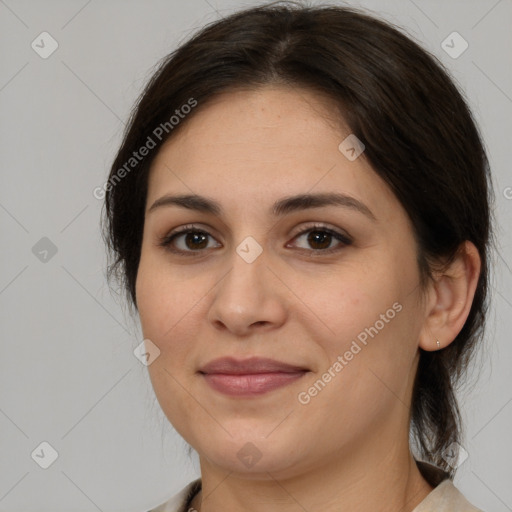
[[167, 240]]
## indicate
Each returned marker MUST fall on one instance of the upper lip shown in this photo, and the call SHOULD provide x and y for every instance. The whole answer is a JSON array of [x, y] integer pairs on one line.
[[253, 365]]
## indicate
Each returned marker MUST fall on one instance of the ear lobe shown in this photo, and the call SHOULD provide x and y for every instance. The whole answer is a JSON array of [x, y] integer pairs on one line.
[[450, 299]]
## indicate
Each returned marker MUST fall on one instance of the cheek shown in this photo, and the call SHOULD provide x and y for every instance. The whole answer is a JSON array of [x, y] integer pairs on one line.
[[362, 327], [366, 374], [164, 300], [171, 307], [345, 303], [163, 307], [152, 303]]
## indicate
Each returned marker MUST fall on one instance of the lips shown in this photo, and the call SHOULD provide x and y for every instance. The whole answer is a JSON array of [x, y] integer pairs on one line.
[[248, 377], [254, 365]]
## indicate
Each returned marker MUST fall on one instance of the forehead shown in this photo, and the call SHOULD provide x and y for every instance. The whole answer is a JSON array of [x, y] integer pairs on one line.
[[271, 118], [253, 147]]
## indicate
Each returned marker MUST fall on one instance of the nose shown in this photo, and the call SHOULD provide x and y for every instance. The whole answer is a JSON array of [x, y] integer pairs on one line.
[[248, 298]]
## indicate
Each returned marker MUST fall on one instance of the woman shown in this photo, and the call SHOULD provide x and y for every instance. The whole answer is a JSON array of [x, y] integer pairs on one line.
[[299, 212]]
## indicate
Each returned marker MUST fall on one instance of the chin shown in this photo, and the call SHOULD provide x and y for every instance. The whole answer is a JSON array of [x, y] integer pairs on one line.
[[251, 456]]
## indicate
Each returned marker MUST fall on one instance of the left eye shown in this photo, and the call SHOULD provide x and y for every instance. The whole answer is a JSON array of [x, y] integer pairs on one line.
[[321, 239]]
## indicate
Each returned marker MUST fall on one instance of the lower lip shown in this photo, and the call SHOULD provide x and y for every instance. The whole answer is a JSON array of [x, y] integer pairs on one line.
[[250, 384]]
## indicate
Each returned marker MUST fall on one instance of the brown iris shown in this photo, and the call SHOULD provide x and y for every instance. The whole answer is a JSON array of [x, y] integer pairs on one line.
[[196, 240], [319, 237]]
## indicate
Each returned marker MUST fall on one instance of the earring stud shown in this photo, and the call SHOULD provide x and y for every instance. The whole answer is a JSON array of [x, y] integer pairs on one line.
[[438, 344]]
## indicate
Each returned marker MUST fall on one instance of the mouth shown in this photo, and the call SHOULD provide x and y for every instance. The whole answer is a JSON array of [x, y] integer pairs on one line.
[[249, 377]]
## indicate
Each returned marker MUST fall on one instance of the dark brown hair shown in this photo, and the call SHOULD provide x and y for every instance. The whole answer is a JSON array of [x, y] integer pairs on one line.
[[418, 132]]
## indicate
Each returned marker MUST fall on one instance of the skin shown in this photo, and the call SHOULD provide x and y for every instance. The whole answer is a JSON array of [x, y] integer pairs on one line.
[[349, 445]]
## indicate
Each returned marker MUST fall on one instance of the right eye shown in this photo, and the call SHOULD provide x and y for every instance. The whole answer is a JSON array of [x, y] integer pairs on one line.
[[187, 241]]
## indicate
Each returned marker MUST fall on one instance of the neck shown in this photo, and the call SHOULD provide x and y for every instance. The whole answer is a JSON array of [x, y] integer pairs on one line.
[[389, 483]]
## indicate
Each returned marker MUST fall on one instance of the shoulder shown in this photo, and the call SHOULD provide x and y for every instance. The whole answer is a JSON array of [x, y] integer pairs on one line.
[[178, 503], [445, 497]]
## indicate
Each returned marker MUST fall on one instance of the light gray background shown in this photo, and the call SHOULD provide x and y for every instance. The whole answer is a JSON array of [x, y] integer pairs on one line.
[[68, 375]]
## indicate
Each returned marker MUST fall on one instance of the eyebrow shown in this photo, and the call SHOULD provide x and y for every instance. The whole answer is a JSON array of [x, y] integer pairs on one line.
[[281, 207]]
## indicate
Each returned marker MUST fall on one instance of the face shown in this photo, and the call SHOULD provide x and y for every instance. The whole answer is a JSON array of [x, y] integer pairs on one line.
[[330, 289]]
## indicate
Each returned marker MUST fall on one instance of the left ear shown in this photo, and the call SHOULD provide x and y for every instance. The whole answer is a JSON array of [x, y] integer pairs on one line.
[[450, 298]]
